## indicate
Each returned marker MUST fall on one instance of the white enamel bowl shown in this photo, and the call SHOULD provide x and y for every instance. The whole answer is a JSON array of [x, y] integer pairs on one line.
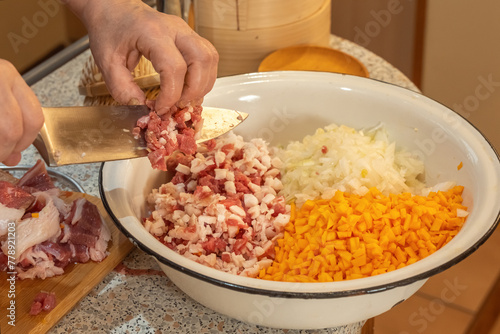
[[286, 106]]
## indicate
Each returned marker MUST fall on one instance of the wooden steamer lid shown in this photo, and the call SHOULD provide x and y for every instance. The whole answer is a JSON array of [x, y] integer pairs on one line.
[[253, 14]]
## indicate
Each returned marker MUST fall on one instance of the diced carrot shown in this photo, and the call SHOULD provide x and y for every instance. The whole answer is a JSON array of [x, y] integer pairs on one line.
[[351, 236], [302, 229], [359, 261], [324, 277]]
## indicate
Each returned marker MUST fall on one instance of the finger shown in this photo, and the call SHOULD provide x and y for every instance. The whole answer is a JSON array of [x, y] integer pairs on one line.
[[202, 69], [200, 79], [172, 69], [121, 85], [11, 129], [31, 113], [12, 159]]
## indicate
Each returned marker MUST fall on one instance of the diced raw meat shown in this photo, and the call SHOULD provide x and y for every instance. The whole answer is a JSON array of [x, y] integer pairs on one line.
[[43, 301], [220, 208], [176, 130]]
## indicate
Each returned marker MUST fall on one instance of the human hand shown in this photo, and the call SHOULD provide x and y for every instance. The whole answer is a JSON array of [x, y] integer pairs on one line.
[[120, 31], [20, 113]]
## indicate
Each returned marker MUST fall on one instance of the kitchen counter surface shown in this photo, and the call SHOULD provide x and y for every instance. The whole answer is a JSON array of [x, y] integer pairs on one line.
[[136, 297]]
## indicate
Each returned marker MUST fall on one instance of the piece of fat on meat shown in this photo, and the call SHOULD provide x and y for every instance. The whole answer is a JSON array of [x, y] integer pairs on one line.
[[8, 215], [53, 194], [99, 251], [34, 230]]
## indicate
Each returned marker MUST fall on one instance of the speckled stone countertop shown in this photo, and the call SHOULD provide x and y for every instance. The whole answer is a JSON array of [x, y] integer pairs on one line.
[[136, 297]]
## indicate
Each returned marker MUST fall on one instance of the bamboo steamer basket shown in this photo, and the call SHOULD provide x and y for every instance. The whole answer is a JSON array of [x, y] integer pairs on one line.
[[241, 51], [252, 14], [94, 89]]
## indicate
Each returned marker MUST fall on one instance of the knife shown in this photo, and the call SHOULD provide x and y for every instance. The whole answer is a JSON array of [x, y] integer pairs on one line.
[[77, 135]]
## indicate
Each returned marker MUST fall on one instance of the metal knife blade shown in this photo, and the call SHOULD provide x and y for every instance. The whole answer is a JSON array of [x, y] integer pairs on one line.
[[75, 135]]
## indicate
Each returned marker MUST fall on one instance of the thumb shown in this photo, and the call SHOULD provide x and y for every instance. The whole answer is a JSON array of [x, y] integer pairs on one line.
[[12, 159]]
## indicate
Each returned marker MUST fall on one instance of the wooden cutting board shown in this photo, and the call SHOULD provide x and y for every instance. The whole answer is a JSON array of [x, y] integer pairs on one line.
[[77, 281]]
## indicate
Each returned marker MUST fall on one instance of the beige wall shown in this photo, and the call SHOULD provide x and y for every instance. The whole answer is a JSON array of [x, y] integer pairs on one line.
[[30, 30], [462, 60]]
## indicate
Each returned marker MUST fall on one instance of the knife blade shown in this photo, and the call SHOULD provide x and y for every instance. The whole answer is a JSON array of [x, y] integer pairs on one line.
[[76, 135]]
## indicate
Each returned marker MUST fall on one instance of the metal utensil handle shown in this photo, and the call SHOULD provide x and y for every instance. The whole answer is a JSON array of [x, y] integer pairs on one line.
[[42, 149]]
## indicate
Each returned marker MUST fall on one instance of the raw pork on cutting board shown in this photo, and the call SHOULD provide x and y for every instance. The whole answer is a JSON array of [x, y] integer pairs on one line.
[[40, 232]]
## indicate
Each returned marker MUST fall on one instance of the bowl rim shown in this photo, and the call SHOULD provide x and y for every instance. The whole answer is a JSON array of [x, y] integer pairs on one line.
[[306, 294]]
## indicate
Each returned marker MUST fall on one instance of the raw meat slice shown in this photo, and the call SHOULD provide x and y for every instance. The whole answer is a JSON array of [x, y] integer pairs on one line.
[[14, 197], [37, 177], [84, 224]]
